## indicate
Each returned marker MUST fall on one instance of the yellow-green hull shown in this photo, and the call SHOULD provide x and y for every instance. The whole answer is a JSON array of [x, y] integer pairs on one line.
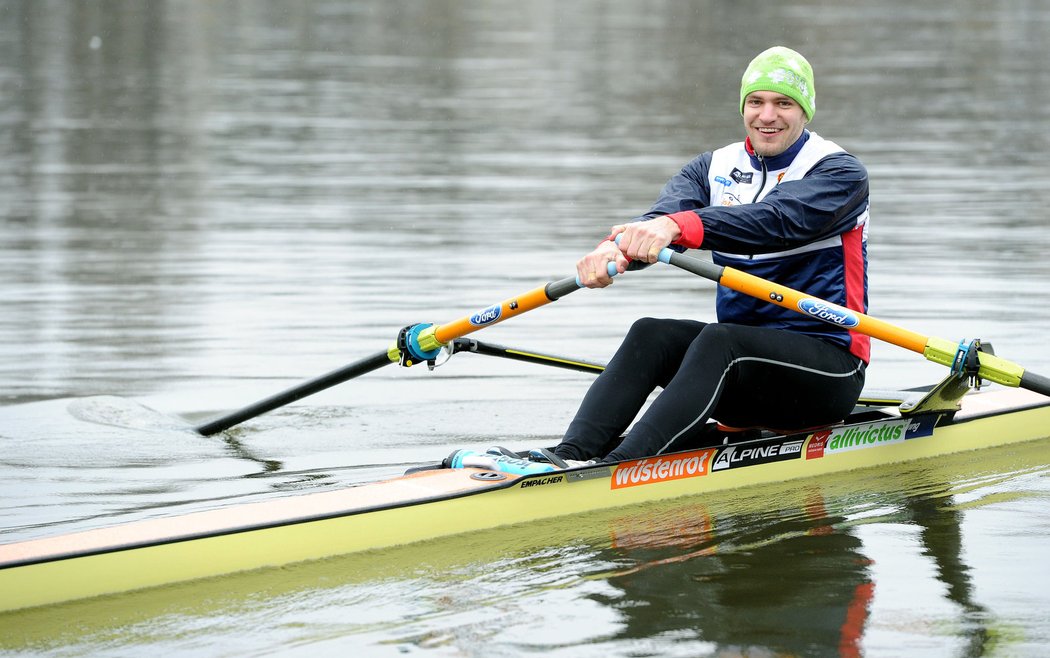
[[444, 502]]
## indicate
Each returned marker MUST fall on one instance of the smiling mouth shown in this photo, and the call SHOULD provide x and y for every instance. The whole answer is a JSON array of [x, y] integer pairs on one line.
[[768, 131]]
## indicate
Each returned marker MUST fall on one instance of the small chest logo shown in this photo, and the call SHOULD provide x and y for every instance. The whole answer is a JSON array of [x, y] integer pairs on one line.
[[741, 177]]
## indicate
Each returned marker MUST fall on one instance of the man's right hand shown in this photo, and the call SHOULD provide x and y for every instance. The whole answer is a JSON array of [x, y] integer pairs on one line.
[[593, 269]]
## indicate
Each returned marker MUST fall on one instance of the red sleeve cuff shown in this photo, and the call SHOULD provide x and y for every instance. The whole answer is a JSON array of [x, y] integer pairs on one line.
[[692, 228]]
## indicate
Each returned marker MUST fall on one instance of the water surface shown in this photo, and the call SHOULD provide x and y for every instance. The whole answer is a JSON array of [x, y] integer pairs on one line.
[[208, 202]]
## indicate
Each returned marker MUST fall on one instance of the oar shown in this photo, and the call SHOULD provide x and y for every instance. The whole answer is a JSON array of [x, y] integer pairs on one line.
[[315, 385], [415, 344], [938, 350]]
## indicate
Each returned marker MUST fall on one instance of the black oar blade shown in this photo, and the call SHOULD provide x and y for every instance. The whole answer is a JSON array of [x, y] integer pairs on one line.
[[347, 372]]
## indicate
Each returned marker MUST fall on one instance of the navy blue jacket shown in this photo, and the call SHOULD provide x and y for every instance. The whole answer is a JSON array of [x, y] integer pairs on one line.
[[799, 218]]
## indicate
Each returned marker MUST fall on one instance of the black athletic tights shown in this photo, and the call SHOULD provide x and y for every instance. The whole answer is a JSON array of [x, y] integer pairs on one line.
[[741, 376]]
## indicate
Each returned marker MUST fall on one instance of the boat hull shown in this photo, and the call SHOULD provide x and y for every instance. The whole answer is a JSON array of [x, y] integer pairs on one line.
[[441, 502]]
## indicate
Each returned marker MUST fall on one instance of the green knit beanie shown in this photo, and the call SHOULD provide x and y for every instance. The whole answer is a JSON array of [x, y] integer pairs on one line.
[[784, 71]]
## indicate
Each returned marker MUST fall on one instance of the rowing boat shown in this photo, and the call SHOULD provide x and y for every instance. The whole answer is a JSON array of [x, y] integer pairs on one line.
[[953, 416], [432, 502]]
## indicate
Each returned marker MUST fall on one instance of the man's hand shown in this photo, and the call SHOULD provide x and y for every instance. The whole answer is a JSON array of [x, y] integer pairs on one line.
[[593, 269], [644, 240], [640, 241]]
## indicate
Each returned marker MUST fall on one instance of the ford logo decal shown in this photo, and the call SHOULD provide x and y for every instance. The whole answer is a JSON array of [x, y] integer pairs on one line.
[[486, 316], [830, 313]]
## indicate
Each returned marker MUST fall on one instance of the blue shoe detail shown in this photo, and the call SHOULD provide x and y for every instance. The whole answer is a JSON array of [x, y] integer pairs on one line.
[[496, 461]]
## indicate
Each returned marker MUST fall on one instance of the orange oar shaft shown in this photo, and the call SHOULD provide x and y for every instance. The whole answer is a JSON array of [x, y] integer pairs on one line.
[[505, 310], [794, 300], [935, 349]]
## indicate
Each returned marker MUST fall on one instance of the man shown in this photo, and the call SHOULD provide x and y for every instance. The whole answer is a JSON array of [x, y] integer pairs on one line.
[[786, 205]]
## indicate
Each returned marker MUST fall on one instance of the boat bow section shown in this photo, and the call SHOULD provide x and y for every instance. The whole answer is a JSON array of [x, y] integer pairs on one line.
[[238, 538]]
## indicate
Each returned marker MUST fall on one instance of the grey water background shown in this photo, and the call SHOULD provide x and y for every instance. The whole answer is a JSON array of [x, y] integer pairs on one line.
[[204, 203]]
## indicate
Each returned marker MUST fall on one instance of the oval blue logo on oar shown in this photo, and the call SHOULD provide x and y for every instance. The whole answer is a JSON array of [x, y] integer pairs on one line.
[[486, 316], [822, 310]]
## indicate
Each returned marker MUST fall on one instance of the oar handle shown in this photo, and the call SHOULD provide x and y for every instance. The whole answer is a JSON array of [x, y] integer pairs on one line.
[[610, 267]]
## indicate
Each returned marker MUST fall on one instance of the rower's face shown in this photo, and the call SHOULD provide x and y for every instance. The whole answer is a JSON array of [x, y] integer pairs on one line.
[[773, 122]]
